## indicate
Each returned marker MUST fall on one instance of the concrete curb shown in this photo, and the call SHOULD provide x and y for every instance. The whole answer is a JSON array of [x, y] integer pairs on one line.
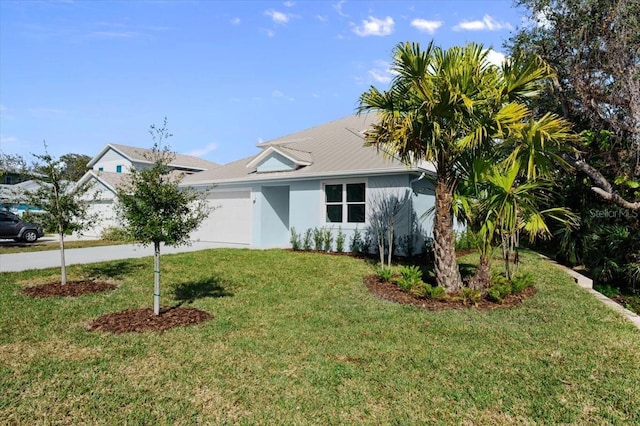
[[587, 284]]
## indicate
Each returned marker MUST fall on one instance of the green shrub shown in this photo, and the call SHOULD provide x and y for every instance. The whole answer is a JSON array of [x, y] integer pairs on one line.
[[500, 288], [340, 241], [521, 282], [607, 290], [435, 292], [411, 277], [295, 239], [466, 240], [470, 295], [384, 274], [114, 233], [327, 239], [355, 243], [318, 239], [307, 243]]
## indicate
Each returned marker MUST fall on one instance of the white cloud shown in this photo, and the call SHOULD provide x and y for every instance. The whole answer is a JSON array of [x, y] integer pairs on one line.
[[495, 58], [322, 18], [381, 73], [235, 21], [338, 8], [278, 17], [375, 27], [278, 94], [204, 150], [270, 33], [487, 23], [426, 26], [289, 3]]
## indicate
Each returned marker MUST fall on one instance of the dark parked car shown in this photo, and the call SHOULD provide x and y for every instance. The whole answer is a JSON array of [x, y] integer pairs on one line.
[[11, 226]]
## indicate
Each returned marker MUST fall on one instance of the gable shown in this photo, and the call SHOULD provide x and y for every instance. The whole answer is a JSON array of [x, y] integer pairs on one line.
[[275, 162]]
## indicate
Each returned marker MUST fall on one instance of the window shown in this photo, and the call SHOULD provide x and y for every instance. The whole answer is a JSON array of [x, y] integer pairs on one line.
[[345, 202], [101, 169], [118, 168]]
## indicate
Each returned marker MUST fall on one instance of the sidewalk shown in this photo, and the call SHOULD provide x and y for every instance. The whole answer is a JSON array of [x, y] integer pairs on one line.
[[16, 262]]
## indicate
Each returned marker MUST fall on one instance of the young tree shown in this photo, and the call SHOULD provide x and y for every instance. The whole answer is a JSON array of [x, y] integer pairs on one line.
[[155, 209], [385, 215], [66, 205]]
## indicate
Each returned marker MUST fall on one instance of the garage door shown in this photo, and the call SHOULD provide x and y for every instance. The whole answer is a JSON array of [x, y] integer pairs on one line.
[[104, 215], [230, 220]]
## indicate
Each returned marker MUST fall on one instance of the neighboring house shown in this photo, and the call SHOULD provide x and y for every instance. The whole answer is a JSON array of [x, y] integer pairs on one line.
[[320, 177], [109, 169], [12, 196]]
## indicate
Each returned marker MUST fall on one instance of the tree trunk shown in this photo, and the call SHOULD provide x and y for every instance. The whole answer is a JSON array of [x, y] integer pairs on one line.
[[446, 266], [156, 278], [63, 267], [483, 273]]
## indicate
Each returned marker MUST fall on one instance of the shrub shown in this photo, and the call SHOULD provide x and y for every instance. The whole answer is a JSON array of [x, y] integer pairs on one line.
[[500, 288], [470, 295], [384, 274], [327, 239], [355, 243], [411, 277], [318, 239], [521, 282], [308, 240], [295, 239], [340, 241], [607, 290], [435, 292], [466, 240], [114, 233]]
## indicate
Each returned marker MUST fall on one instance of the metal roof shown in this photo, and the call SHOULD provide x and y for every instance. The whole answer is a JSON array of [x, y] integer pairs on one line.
[[335, 148]]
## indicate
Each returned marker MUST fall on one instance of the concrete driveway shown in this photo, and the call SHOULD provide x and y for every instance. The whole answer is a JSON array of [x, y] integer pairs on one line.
[[15, 262]]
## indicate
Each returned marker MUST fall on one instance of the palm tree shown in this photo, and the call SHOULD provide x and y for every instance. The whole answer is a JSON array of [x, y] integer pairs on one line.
[[442, 104], [511, 206]]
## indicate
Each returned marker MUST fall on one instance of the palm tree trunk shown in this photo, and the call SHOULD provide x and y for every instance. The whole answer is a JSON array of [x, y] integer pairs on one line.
[[483, 273], [156, 278], [446, 266]]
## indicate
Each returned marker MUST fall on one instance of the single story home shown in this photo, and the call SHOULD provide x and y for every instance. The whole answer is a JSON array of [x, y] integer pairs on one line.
[[322, 177]]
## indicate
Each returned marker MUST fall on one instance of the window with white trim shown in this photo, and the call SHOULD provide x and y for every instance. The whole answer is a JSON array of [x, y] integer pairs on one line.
[[345, 202]]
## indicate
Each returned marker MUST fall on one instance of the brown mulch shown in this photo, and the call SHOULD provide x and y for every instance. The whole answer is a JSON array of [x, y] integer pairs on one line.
[[70, 289], [141, 320], [391, 292]]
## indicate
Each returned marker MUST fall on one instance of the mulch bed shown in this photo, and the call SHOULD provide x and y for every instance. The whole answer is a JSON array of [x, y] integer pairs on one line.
[[391, 292], [70, 289], [141, 320], [131, 320]]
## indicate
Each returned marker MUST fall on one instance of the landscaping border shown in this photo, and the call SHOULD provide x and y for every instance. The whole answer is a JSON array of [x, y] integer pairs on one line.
[[587, 284]]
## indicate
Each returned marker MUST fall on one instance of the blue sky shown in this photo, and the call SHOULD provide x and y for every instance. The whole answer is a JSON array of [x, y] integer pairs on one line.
[[226, 74]]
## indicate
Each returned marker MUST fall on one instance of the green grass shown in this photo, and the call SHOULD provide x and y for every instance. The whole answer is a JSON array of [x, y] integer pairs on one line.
[[297, 339], [7, 247]]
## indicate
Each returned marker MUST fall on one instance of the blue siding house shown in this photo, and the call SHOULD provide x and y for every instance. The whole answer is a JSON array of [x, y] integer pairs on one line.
[[322, 177]]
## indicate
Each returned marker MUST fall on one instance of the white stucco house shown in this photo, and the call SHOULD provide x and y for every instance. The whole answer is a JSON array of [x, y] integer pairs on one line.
[[320, 177]]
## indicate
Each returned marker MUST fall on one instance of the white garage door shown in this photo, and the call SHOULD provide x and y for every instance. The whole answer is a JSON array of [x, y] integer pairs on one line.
[[230, 222]]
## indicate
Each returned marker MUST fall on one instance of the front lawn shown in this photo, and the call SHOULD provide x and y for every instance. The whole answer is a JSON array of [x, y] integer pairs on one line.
[[296, 338]]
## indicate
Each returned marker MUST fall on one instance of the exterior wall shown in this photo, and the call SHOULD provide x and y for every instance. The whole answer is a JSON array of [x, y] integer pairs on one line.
[[275, 163], [307, 208], [110, 160], [102, 207]]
